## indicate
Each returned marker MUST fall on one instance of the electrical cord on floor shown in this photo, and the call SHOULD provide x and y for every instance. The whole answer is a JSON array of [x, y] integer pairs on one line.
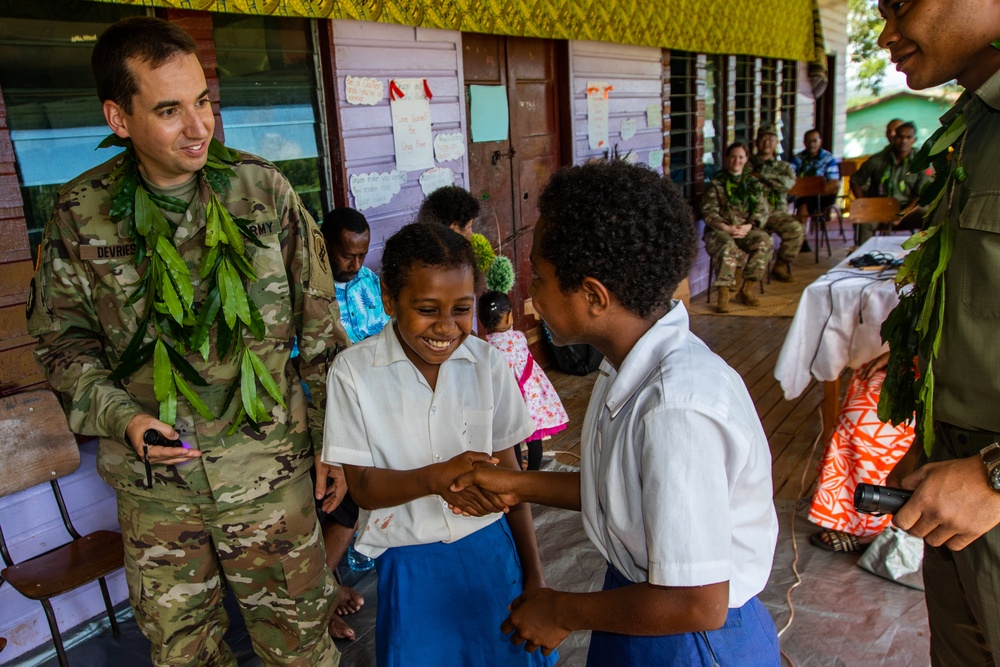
[[795, 546], [552, 453]]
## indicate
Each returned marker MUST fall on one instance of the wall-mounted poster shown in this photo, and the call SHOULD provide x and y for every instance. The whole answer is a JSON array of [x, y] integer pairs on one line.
[[656, 159], [364, 90], [628, 128], [409, 101], [436, 178], [449, 146], [490, 117], [654, 115], [597, 113], [376, 189]]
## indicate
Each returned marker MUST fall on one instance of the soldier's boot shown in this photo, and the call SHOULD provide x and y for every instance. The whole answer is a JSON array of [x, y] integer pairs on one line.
[[782, 271], [748, 293], [723, 302]]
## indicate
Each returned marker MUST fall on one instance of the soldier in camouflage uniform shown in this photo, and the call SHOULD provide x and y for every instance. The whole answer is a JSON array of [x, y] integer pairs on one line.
[[735, 210], [232, 511], [777, 178]]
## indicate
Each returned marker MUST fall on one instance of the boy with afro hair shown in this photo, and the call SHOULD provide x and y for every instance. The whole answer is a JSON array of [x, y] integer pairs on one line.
[[675, 479], [451, 206]]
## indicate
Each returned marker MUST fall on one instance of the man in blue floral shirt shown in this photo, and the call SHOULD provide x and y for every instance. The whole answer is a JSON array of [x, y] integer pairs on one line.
[[359, 295], [816, 161], [359, 291]]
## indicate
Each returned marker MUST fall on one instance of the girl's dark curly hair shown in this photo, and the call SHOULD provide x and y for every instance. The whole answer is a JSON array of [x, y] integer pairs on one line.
[[429, 245], [493, 306], [448, 205], [622, 224]]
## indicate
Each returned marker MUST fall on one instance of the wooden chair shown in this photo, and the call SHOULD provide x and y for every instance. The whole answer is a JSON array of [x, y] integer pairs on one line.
[[815, 186], [847, 169], [880, 211], [36, 446]]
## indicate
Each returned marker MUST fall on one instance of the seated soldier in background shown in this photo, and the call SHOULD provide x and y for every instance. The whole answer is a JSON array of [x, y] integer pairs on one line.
[[777, 178], [887, 174]]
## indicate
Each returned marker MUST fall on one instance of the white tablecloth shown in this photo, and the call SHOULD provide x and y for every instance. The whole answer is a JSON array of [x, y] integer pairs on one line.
[[838, 319]]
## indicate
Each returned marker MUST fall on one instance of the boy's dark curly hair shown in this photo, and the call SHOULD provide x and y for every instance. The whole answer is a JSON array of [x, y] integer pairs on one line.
[[493, 306], [447, 205], [622, 224], [430, 245]]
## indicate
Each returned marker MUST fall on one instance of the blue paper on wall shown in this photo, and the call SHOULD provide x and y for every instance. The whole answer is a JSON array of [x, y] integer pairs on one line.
[[488, 108]]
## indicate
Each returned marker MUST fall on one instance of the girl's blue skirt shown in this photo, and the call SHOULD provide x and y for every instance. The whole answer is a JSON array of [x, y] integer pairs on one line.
[[441, 605], [748, 639]]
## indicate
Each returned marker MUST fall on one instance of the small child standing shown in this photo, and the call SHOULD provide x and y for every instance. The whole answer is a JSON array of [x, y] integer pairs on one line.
[[409, 410], [539, 395]]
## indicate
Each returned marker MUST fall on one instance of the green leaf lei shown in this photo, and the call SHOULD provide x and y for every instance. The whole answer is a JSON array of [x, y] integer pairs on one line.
[[179, 326], [744, 190], [914, 326]]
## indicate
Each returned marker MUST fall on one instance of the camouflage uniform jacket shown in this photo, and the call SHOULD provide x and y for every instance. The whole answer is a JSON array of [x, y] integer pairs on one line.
[[717, 210], [77, 311], [776, 177]]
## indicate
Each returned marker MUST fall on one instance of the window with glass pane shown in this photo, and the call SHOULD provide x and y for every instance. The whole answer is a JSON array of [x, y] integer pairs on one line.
[[768, 91], [55, 118], [267, 91], [714, 129], [746, 79], [789, 90], [683, 119]]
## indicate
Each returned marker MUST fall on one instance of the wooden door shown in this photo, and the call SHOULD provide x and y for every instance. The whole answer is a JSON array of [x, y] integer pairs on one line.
[[507, 176]]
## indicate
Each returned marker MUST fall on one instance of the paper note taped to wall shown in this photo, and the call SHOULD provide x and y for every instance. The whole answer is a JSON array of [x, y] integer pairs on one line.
[[490, 117], [409, 101], [654, 115], [597, 114], [449, 146], [628, 128], [376, 189], [656, 159], [436, 178], [364, 90]]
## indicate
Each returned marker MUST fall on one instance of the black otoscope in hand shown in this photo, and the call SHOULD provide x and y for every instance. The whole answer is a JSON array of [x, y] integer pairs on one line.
[[872, 499]]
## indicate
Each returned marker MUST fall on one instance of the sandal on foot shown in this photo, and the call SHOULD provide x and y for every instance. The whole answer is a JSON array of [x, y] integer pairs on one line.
[[837, 541]]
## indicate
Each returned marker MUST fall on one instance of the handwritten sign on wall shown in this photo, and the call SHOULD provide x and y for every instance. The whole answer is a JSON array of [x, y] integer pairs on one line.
[[364, 90], [409, 101], [628, 128], [435, 178], [449, 146], [376, 189], [597, 113]]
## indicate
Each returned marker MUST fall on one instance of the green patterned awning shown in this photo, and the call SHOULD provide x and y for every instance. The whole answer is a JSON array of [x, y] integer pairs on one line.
[[769, 28]]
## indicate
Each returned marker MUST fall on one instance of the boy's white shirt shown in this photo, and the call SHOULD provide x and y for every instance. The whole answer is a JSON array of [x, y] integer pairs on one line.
[[676, 469], [381, 412]]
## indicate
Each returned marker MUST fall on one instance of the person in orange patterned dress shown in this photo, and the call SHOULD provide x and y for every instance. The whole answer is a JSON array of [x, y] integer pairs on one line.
[[861, 449]]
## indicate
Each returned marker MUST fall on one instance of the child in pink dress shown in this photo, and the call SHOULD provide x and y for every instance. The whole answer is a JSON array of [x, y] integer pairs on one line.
[[540, 396]]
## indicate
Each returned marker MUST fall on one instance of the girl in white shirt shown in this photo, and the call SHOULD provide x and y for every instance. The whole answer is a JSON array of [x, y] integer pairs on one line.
[[408, 411]]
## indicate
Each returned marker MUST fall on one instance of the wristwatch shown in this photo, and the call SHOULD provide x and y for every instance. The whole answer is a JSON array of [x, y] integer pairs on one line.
[[991, 457]]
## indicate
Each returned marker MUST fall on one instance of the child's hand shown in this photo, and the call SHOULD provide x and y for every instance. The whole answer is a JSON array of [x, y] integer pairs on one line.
[[534, 621], [499, 481], [469, 501]]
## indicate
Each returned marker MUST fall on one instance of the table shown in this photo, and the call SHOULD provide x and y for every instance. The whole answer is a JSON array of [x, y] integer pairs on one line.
[[837, 325]]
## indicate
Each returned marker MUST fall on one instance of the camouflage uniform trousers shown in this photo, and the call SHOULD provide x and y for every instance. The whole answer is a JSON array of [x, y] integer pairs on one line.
[[180, 558], [727, 253], [790, 230]]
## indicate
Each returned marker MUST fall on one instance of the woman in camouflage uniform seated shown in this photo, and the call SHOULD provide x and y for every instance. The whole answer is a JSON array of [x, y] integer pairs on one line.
[[735, 209]]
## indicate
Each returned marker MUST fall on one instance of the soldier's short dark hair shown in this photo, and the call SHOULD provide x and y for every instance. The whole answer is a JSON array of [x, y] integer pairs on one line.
[[621, 224], [140, 38], [338, 220], [737, 144], [493, 307], [812, 131], [908, 125], [428, 245], [449, 205]]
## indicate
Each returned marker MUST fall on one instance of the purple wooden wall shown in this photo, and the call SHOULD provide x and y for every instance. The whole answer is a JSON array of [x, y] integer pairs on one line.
[[387, 52], [635, 73]]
